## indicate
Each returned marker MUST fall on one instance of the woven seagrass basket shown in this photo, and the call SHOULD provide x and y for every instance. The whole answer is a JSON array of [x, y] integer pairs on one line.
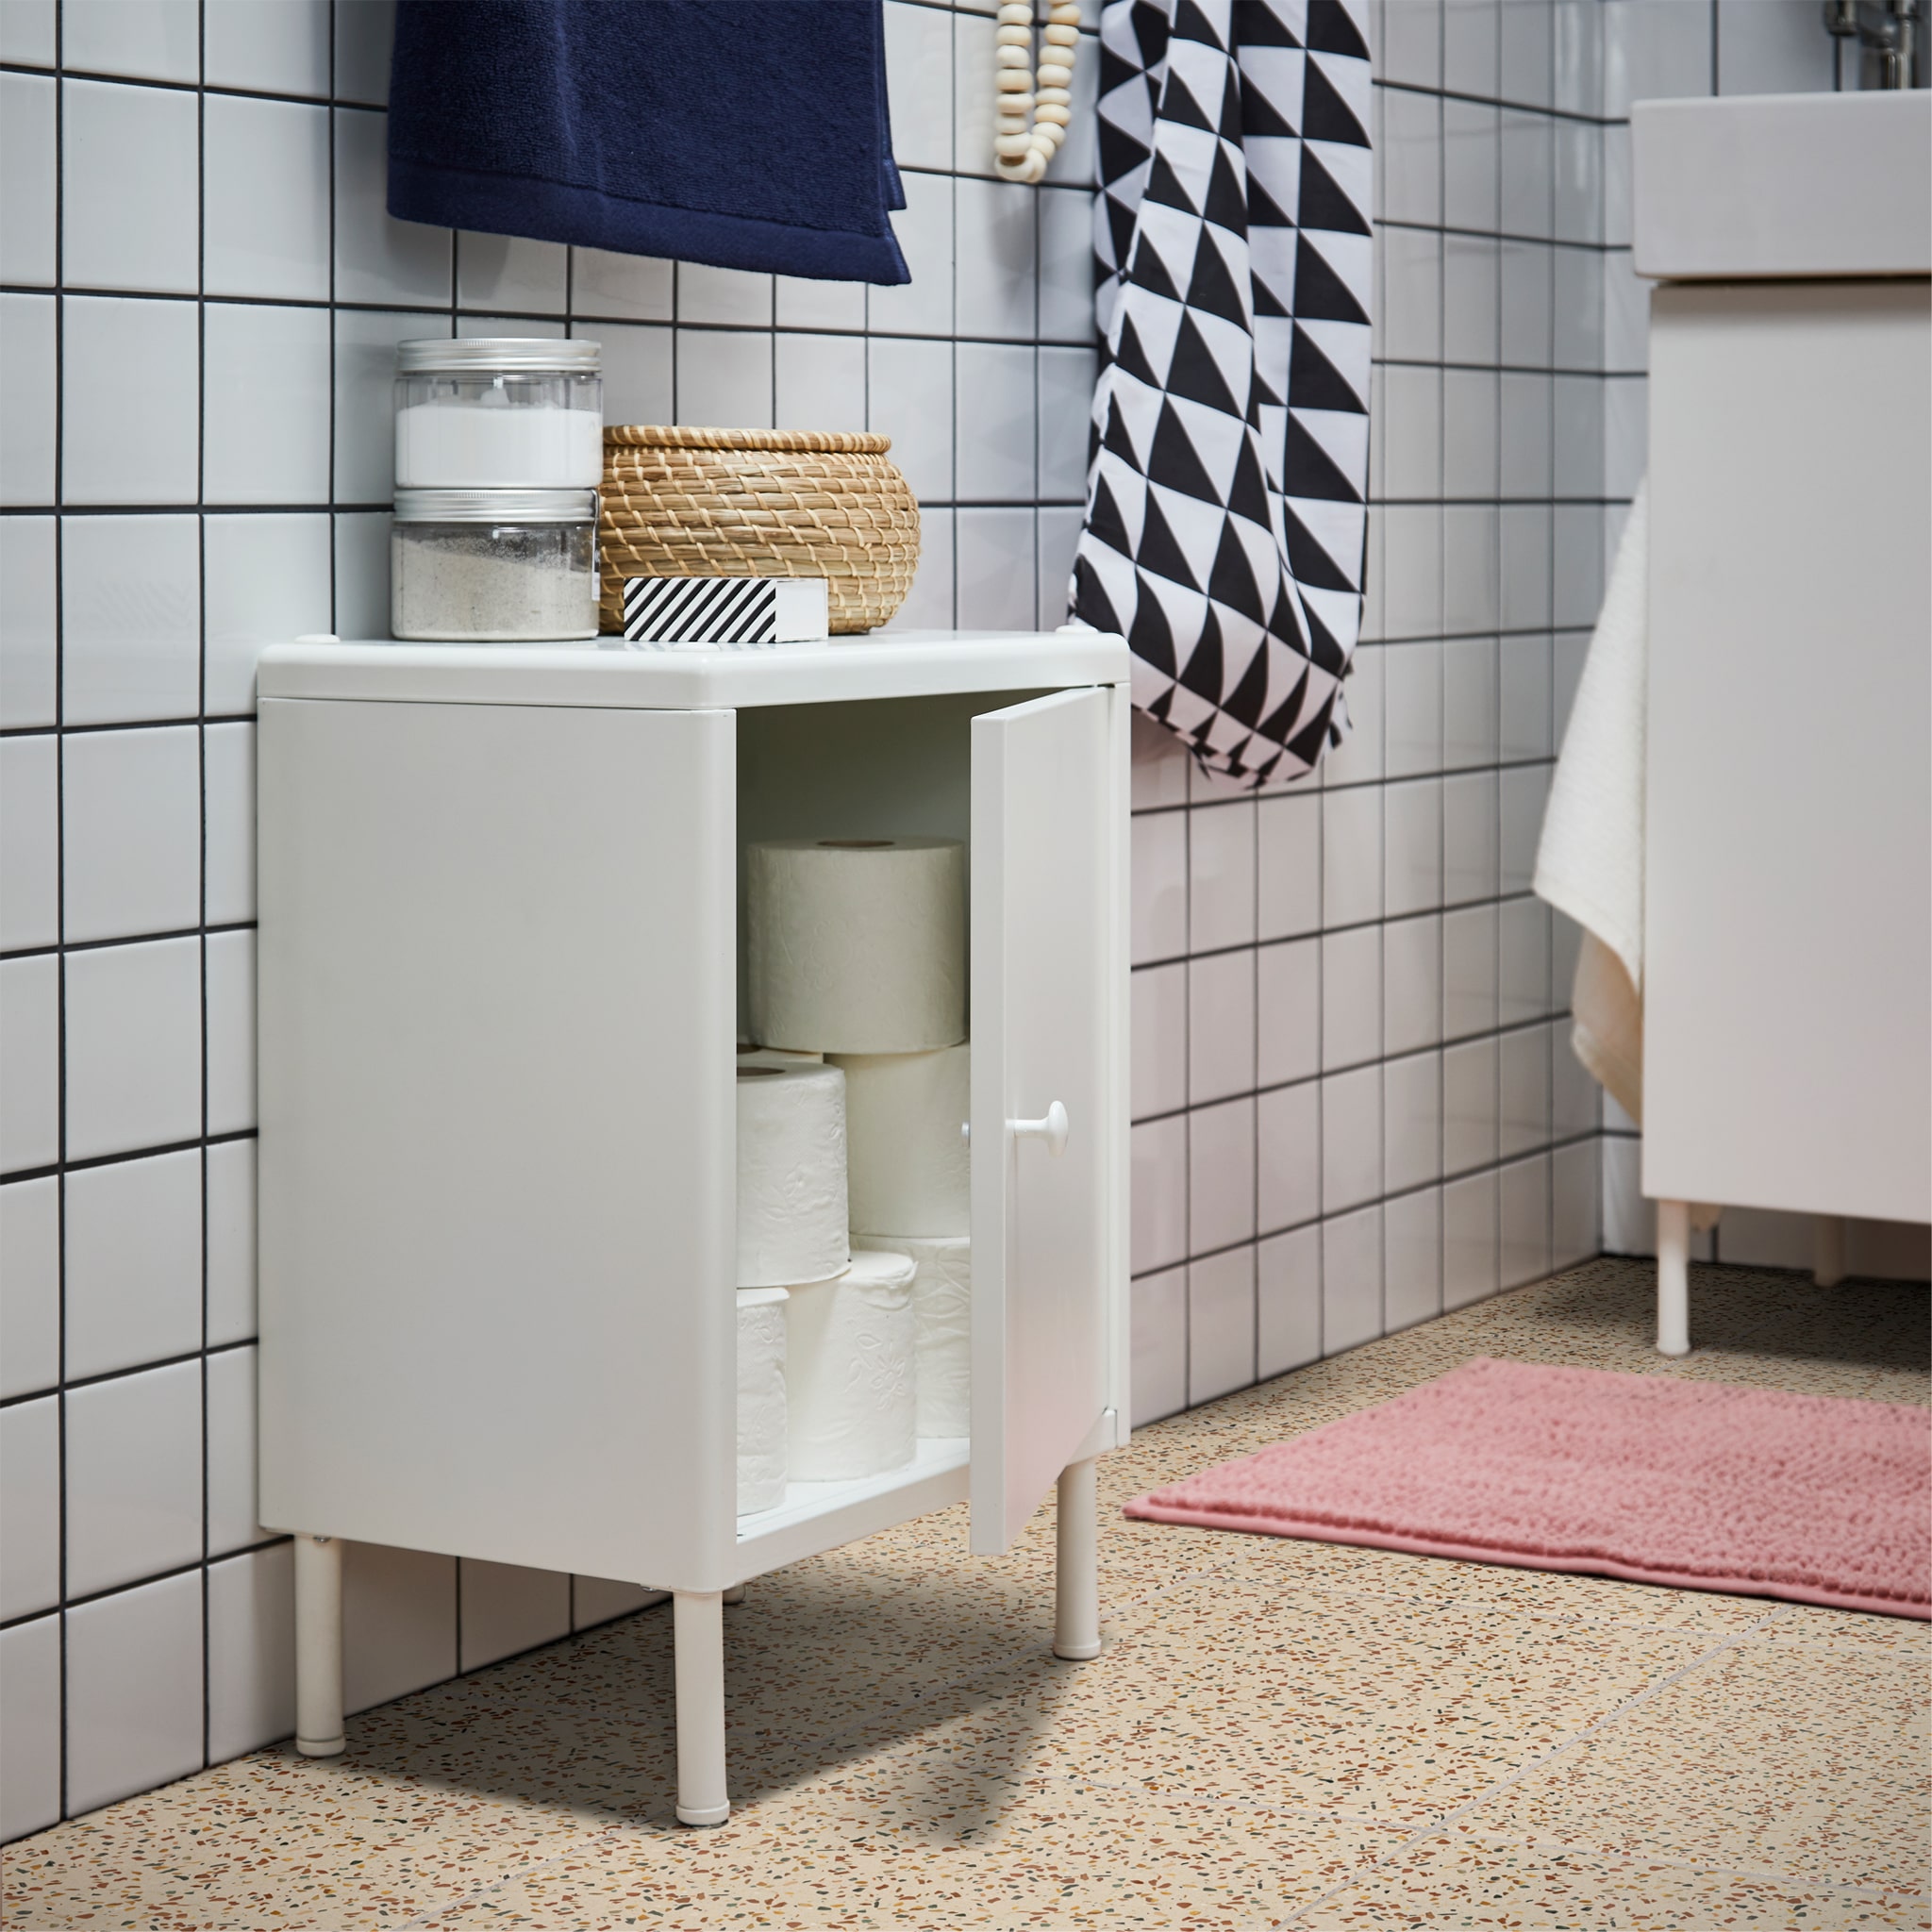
[[778, 502]]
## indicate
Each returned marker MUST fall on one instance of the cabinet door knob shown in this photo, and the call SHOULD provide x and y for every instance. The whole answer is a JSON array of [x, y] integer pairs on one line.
[[1051, 1128]]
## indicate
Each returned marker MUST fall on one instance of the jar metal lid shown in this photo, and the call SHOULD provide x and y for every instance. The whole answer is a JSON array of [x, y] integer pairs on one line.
[[507, 354], [496, 506]]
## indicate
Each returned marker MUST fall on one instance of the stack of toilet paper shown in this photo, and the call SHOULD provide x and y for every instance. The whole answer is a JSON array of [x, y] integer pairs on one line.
[[856, 1095]]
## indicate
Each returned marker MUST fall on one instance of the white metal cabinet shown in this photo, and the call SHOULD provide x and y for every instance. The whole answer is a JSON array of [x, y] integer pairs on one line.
[[500, 936]]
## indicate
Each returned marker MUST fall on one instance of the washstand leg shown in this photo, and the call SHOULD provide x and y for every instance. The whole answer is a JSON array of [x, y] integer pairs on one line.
[[318, 1646], [1076, 1565], [1828, 1249], [1674, 1278], [734, 1597], [698, 1632]]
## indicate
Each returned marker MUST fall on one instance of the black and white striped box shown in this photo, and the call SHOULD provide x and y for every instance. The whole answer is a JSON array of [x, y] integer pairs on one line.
[[725, 611]]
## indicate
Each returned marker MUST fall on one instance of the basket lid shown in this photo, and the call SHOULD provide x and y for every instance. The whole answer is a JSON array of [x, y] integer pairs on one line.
[[678, 436]]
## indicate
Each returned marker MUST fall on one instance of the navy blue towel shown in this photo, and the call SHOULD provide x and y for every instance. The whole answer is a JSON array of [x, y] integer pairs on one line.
[[747, 134]]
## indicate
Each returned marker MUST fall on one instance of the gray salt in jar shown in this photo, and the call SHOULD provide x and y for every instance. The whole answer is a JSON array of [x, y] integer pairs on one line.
[[494, 566]]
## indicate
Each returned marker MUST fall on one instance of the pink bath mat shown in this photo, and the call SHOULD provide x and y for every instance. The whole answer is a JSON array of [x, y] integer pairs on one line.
[[1696, 1484]]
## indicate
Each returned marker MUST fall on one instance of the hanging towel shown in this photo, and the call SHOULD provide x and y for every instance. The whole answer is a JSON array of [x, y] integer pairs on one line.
[[1226, 521], [1590, 864], [749, 135]]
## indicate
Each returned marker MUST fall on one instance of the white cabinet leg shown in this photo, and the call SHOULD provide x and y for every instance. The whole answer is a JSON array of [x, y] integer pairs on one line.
[[698, 1618], [318, 1646], [1828, 1249], [1076, 1565], [1673, 1276]]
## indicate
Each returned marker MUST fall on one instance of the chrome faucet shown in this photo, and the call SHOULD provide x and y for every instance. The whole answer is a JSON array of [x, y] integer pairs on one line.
[[1889, 30]]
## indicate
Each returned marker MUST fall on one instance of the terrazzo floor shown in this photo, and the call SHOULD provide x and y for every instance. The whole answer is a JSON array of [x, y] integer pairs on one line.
[[1278, 1733]]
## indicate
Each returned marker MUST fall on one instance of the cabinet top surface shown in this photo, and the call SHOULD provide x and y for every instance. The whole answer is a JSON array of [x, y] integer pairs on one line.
[[608, 671]]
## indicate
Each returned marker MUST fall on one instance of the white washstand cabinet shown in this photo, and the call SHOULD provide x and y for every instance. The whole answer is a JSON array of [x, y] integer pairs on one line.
[[502, 950]]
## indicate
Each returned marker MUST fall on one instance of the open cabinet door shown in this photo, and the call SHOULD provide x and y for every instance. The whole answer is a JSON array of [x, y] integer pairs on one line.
[[1044, 1006]]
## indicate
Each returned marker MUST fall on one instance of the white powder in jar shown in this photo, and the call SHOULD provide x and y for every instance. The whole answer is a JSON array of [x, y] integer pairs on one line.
[[493, 583], [498, 445]]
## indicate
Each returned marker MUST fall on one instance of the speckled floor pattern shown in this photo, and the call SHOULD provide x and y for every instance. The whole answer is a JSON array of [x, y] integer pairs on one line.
[[1278, 1733]]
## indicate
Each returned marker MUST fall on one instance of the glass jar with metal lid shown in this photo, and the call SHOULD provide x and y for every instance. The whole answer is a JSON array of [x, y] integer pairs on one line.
[[494, 566], [499, 412]]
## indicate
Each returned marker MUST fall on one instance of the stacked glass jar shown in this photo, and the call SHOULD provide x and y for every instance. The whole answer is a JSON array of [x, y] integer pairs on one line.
[[499, 455]]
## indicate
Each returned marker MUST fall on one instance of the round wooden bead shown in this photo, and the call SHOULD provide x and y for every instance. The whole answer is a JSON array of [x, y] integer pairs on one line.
[[1061, 36], [1012, 56], [1013, 80], [1047, 137], [1016, 14], [1013, 37], [1053, 74], [1054, 97], [1014, 144], [1053, 115], [1064, 12]]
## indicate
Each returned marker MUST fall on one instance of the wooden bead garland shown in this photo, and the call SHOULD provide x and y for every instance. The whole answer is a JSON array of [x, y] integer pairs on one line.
[[1033, 104]]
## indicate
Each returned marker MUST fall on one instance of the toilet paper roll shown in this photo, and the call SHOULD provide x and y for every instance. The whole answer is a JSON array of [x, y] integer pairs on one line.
[[791, 1219], [942, 1329], [857, 945], [761, 1428], [907, 1163], [849, 1373], [775, 1057]]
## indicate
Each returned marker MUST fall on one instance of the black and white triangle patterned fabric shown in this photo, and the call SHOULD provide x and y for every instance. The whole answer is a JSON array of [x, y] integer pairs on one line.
[[1225, 521]]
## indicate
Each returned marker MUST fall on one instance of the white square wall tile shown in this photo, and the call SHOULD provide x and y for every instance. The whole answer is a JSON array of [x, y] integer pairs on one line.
[[731, 295], [30, 1046], [600, 1599], [365, 367], [1351, 996], [377, 258], [1412, 156], [1288, 1001], [1469, 1240], [1059, 534], [1528, 169], [30, 841], [1359, 756], [1413, 1259], [29, 1286], [993, 247], [1523, 977], [1221, 1025], [133, 1262], [1158, 919], [1575, 1099], [28, 179], [1525, 790], [364, 30], [923, 305], [819, 382], [230, 1031], [127, 361], [1352, 856], [153, 40], [282, 49], [1411, 984], [1412, 571], [132, 823], [1159, 1371], [513, 272], [1527, 561], [1411, 1121], [1412, 707], [636, 288], [132, 618], [508, 1608], [1411, 433], [231, 1505], [1525, 698], [1159, 998], [1471, 294], [228, 781], [30, 1507], [29, 1720], [265, 418], [230, 1242], [637, 371], [1411, 312], [1221, 1175], [1066, 265], [1220, 876], [1413, 850], [1350, 1280], [1289, 865], [1469, 1106], [994, 412], [1470, 165], [931, 601], [251, 1651], [399, 1623], [29, 33], [1523, 1091], [1066, 400], [1575, 1204], [133, 1047], [29, 677], [1524, 1200], [1471, 453], [1629, 1221], [269, 579], [267, 193], [723, 378], [28, 390], [133, 1476], [919, 80], [1471, 565], [910, 399], [1351, 1139], [1158, 1152], [1470, 833], [996, 583], [134, 1692], [1288, 1302], [799, 302], [1288, 1156], [130, 176], [1221, 1324]]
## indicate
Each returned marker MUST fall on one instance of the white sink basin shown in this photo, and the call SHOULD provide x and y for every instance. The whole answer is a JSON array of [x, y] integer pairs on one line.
[[1778, 186]]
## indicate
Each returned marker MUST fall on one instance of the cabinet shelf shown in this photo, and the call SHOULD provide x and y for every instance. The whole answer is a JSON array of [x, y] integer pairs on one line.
[[822, 1516]]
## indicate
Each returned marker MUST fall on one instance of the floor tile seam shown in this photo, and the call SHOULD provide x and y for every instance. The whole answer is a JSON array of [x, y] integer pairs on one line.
[[1541, 1763]]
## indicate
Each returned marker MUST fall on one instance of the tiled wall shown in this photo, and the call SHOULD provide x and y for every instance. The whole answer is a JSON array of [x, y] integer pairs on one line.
[[200, 304]]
